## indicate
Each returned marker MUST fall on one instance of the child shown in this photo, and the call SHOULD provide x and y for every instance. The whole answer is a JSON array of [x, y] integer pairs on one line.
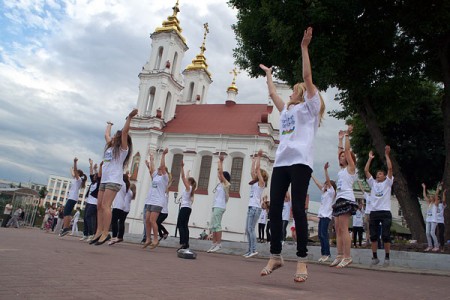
[[262, 221]]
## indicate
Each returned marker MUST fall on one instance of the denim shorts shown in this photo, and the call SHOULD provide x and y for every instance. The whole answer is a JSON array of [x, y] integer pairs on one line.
[[110, 186], [153, 208], [216, 219], [70, 204]]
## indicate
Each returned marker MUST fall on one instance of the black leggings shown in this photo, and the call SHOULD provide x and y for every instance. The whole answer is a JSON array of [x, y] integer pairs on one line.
[[183, 227], [269, 236], [357, 231], [298, 177], [118, 222], [161, 229], [261, 227], [440, 235]]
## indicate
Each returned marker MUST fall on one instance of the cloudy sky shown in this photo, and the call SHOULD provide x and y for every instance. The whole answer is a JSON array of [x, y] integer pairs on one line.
[[68, 66]]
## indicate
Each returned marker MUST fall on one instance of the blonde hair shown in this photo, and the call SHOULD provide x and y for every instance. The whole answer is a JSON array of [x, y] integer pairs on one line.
[[300, 88]]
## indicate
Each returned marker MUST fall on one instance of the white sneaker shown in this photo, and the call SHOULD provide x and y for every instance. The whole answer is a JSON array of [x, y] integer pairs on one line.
[[83, 238], [386, 262], [216, 248], [324, 258], [212, 247], [252, 254], [375, 261], [90, 238], [246, 254]]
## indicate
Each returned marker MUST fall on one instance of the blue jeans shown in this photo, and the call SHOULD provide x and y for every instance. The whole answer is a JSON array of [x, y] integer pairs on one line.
[[323, 236], [252, 218]]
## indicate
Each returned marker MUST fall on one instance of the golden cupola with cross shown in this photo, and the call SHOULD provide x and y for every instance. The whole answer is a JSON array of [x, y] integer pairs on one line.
[[197, 78]]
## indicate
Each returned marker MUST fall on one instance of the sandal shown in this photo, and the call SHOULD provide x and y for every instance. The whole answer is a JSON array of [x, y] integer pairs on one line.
[[273, 264], [344, 262], [146, 244], [301, 276], [336, 261], [112, 242], [153, 245]]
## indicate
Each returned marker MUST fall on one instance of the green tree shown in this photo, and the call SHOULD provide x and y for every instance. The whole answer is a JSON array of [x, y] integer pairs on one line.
[[43, 192], [359, 47]]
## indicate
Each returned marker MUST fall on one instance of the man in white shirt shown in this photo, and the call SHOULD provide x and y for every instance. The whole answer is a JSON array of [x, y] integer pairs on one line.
[[7, 214], [380, 197]]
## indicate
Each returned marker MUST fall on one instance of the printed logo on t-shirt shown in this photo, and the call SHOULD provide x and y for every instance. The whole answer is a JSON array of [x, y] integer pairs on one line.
[[154, 185], [108, 155], [251, 194], [429, 213], [288, 125], [378, 191]]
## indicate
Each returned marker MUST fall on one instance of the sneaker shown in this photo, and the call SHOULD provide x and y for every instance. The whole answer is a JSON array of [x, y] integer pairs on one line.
[[435, 249], [64, 232], [246, 254], [212, 247], [89, 238], [386, 262], [83, 238], [252, 254], [375, 261], [324, 258], [427, 249], [216, 248]]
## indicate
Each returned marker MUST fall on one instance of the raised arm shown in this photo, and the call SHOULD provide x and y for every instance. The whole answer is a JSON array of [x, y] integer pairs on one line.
[[162, 164], [307, 74], [75, 169], [319, 185], [91, 167], [279, 103], [126, 128], [341, 135], [327, 177], [360, 186], [436, 194], [151, 164], [261, 181], [387, 152], [253, 171], [424, 188], [108, 132], [351, 168], [367, 167], [183, 177], [444, 199], [220, 168]]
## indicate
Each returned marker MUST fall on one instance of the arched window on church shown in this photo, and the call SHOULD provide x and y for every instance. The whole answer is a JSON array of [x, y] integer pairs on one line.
[[236, 176], [205, 172], [174, 65], [191, 92], [167, 107], [135, 166], [175, 171], [150, 100], [159, 58]]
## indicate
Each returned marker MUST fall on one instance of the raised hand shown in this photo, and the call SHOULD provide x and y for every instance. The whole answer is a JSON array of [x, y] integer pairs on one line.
[[326, 166], [266, 69], [165, 151], [387, 150], [91, 161], [371, 155], [75, 159], [182, 164], [342, 133], [221, 157], [260, 153], [307, 36], [133, 113], [424, 186]]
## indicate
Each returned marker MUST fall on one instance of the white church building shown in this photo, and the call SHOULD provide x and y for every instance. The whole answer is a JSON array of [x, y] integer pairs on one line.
[[174, 113]]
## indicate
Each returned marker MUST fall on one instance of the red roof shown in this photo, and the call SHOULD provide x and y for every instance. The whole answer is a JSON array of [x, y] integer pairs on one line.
[[241, 119]]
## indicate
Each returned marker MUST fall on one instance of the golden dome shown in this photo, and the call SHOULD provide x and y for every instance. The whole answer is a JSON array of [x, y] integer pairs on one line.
[[199, 62], [172, 24]]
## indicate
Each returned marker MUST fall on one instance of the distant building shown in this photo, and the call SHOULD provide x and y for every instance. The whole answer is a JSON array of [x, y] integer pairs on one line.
[[58, 190]]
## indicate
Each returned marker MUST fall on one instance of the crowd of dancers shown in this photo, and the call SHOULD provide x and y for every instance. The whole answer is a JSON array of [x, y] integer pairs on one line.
[[110, 194]]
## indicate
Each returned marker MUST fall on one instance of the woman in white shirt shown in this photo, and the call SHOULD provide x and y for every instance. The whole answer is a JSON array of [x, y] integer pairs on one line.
[[155, 199], [328, 190], [345, 204], [431, 219], [121, 208], [187, 198], [258, 183], [299, 122], [118, 150]]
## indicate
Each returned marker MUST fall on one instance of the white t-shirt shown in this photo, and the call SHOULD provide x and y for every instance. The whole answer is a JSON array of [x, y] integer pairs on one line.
[[118, 202], [255, 195], [112, 170], [8, 209], [431, 213], [381, 193], [358, 218], [74, 189], [165, 207], [344, 185], [186, 200], [263, 217], [220, 196], [298, 127], [286, 213], [368, 203], [440, 213], [157, 193], [326, 201], [91, 199], [127, 201]]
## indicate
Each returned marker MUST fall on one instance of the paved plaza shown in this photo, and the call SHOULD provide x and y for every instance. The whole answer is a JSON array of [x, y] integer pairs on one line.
[[37, 265]]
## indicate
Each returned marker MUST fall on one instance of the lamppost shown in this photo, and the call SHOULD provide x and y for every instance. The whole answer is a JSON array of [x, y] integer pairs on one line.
[[177, 201]]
